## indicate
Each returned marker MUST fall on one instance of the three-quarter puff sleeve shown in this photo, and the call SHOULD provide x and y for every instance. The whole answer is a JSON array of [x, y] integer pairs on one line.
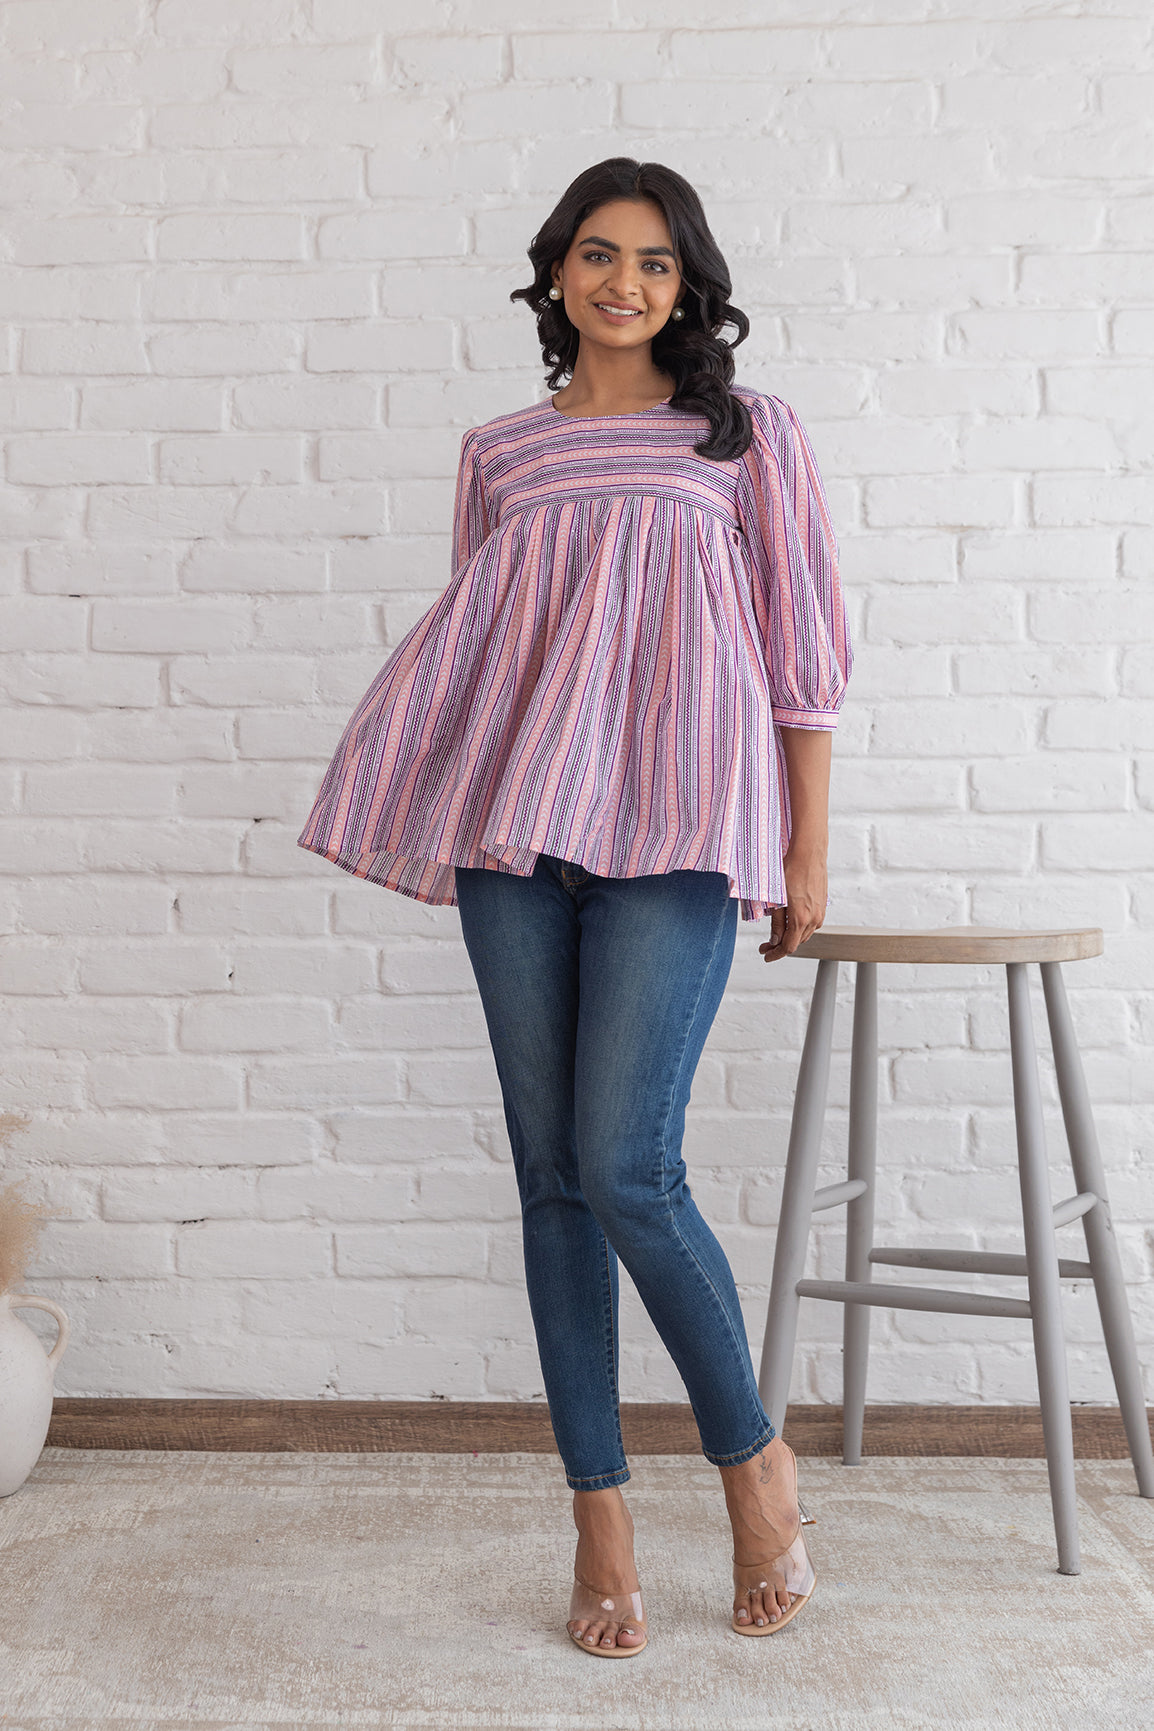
[[471, 523], [797, 595]]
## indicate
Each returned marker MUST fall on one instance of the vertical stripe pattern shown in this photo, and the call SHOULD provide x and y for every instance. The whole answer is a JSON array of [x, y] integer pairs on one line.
[[627, 626]]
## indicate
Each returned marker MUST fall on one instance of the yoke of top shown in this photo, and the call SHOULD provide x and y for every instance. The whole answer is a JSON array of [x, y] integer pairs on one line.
[[597, 458], [627, 626]]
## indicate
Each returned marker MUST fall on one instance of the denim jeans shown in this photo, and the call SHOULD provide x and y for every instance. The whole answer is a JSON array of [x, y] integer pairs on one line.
[[599, 994]]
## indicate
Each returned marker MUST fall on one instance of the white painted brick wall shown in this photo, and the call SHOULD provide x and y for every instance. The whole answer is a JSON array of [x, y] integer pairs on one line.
[[255, 285]]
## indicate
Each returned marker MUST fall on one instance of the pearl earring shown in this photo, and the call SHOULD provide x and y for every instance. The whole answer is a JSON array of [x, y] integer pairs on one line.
[[554, 294], [679, 312]]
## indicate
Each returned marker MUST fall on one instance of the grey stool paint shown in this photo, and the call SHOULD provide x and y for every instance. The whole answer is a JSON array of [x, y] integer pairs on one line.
[[1041, 1264]]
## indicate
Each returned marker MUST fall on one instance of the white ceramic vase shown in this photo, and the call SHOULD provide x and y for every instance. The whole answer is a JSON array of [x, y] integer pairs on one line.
[[26, 1386]]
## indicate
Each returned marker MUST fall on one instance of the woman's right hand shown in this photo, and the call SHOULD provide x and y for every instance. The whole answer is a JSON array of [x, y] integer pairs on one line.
[[807, 894]]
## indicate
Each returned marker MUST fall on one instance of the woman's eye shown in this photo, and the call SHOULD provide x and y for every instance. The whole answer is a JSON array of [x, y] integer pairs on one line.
[[594, 257]]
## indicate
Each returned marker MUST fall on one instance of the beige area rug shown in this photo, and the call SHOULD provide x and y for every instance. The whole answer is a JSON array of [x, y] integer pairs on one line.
[[227, 1592]]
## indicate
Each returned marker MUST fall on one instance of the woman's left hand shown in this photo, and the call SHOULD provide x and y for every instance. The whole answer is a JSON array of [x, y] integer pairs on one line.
[[806, 894]]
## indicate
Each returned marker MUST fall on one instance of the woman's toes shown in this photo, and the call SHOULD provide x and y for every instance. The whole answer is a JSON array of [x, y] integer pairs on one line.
[[764, 1604], [593, 1633], [609, 1635]]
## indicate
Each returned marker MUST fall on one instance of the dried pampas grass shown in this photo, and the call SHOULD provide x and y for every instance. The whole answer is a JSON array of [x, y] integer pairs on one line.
[[20, 1220]]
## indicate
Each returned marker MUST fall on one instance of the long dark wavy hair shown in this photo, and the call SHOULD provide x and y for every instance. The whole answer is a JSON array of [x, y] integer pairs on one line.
[[689, 349]]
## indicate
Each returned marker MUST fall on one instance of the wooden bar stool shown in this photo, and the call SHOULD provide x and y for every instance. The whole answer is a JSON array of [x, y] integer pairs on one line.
[[1041, 1264]]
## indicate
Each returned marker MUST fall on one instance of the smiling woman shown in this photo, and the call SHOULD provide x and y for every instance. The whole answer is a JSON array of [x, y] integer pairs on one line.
[[608, 736], [629, 285], [631, 291]]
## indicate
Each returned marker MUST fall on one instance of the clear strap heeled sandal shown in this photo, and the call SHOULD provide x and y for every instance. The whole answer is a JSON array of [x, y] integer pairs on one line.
[[589, 1606], [792, 1571]]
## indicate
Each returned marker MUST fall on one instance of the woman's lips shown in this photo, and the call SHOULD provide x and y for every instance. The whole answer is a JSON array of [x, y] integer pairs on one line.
[[618, 318]]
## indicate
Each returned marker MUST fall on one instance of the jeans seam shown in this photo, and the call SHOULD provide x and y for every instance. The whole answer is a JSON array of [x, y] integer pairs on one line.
[[573, 877], [741, 1454], [609, 1339]]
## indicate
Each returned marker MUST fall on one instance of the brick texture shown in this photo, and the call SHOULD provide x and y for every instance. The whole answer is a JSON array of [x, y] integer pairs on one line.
[[255, 285]]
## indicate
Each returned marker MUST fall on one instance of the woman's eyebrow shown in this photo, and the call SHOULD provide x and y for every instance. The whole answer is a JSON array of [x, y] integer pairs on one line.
[[599, 240]]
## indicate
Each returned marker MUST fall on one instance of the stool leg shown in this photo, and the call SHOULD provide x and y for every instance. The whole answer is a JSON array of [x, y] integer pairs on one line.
[[1042, 1271], [859, 1226], [797, 1198], [1101, 1244]]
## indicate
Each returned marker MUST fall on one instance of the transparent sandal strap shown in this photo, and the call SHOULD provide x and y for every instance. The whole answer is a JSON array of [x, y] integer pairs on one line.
[[586, 1601]]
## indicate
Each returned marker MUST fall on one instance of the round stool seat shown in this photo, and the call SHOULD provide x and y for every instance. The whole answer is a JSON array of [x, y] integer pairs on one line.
[[950, 944]]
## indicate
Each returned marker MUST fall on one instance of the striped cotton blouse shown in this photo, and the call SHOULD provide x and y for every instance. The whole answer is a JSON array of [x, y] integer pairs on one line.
[[627, 626]]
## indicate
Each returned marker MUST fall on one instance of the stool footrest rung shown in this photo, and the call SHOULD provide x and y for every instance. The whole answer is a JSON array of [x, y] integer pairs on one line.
[[833, 1195], [973, 1262], [912, 1298], [1074, 1207]]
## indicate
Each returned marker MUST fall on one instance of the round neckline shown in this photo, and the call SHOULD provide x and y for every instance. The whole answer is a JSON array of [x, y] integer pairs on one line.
[[630, 415]]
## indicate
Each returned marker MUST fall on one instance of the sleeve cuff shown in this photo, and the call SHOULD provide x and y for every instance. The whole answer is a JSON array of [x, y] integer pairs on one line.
[[824, 719]]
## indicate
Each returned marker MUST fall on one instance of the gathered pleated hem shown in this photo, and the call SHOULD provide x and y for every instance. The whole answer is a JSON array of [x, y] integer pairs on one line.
[[433, 880]]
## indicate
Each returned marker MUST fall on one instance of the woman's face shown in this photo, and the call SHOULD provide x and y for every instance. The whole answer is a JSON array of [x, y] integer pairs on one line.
[[621, 257]]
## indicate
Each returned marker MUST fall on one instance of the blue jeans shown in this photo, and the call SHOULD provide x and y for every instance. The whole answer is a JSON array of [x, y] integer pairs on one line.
[[599, 994]]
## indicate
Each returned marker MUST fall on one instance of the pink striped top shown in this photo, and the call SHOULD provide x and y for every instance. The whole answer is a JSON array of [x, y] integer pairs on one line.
[[626, 627]]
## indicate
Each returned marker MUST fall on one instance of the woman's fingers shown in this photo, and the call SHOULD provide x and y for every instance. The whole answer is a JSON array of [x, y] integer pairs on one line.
[[790, 926], [796, 932], [802, 926], [777, 927]]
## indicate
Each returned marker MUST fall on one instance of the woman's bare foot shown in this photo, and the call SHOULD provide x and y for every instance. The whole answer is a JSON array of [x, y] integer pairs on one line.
[[604, 1561], [761, 1496]]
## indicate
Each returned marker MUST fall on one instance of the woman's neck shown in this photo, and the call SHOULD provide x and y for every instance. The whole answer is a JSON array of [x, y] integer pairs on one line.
[[613, 384]]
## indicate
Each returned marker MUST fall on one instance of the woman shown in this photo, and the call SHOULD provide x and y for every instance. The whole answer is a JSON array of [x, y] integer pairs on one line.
[[611, 730]]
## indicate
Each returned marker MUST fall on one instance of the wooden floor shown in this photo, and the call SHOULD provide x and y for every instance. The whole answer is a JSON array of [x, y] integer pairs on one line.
[[501, 1427]]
